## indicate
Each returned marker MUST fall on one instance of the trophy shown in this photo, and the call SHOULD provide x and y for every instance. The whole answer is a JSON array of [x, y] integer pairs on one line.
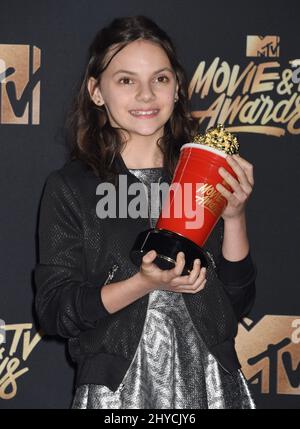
[[194, 186]]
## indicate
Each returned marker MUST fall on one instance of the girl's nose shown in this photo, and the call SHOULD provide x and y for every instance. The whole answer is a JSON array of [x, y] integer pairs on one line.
[[145, 93]]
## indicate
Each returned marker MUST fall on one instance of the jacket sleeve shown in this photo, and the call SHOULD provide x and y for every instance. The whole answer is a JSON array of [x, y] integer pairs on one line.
[[65, 302], [238, 278]]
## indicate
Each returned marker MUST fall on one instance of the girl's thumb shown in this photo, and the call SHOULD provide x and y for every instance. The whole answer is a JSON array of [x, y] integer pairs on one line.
[[150, 256]]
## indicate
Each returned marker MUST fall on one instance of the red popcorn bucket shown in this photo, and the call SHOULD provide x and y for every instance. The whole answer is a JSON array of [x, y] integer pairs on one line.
[[191, 210]]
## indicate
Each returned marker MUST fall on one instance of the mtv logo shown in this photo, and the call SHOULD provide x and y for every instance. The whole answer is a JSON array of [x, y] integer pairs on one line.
[[295, 63], [262, 46], [269, 352], [19, 84], [296, 72]]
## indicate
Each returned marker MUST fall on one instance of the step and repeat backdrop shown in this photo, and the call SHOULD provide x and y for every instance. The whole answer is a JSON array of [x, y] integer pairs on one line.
[[243, 66]]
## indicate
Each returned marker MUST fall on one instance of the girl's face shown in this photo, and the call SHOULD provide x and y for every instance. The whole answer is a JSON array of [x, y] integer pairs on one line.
[[137, 89]]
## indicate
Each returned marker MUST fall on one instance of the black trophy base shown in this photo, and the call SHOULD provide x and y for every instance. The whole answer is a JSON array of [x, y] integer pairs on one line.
[[167, 244]]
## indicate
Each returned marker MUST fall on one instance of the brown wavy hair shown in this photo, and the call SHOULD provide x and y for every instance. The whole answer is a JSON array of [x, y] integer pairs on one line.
[[89, 133]]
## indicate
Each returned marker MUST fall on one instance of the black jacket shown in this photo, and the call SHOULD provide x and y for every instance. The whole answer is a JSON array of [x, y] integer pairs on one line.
[[79, 253]]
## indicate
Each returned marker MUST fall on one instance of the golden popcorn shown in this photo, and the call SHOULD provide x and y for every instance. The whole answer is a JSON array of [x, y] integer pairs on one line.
[[220, 139]]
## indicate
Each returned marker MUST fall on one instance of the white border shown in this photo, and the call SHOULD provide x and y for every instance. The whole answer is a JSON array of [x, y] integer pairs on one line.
[[204, 147]]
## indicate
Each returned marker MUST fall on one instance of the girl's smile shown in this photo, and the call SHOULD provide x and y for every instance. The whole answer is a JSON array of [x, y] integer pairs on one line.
[[144, 114]]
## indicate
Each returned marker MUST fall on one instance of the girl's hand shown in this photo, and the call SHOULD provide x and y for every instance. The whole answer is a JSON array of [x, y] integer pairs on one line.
[[171, 280], [242, 187]]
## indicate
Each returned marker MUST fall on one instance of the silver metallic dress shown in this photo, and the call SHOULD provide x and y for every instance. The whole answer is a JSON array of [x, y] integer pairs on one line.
[[172, 367]]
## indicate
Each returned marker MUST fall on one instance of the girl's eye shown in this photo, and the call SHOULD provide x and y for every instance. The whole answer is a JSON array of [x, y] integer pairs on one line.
[[163, 79], [124, 80], [127, 80]]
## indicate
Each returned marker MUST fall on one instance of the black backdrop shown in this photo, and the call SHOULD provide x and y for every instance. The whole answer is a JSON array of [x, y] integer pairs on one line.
[[36, 373]]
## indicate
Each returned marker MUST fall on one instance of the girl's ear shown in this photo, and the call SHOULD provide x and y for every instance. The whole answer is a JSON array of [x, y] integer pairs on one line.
[[95, 92], [176, 91]]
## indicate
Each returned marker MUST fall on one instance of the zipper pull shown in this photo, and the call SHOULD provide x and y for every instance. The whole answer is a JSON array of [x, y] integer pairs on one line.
[[111, 273], [211, 258]]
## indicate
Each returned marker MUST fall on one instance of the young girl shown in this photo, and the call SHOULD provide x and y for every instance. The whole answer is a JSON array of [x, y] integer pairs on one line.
[[140, 337]]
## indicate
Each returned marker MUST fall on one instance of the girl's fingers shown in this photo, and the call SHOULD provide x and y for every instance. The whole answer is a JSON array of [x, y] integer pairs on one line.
[[238, 169], [239, 187], [147, 261], [149, 257], [199, 285], [229, 179], [183, 284], [195, 271], [168, 275], [244, 167], [189, 278], [248, 167], [180, 262], [235, 197]]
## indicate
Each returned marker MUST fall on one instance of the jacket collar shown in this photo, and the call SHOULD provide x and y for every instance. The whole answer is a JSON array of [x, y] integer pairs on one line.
[[122, 169]]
